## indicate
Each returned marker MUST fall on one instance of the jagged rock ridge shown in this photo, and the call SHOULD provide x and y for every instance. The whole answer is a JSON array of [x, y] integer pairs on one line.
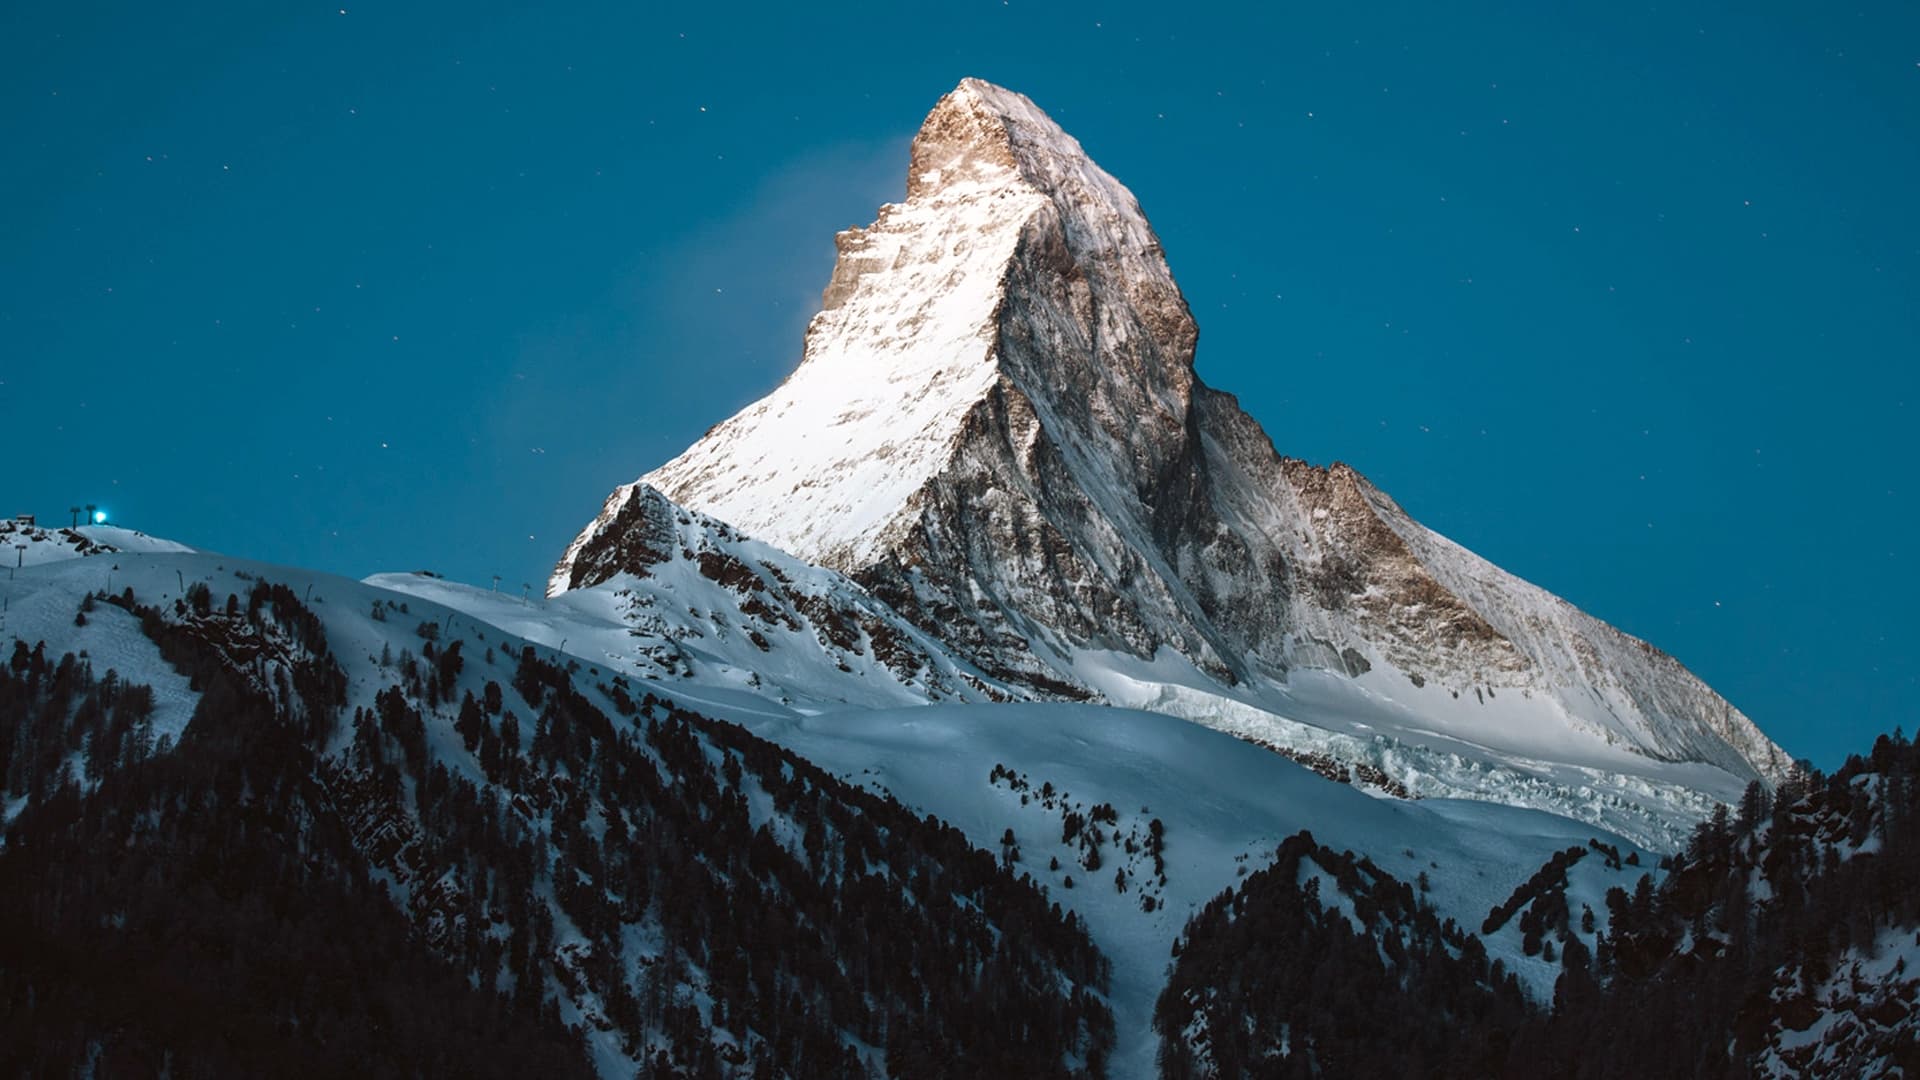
[[699, 601], [997, 429]]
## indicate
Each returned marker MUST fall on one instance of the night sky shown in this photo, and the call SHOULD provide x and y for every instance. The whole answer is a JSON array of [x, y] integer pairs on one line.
[[1623, 300]]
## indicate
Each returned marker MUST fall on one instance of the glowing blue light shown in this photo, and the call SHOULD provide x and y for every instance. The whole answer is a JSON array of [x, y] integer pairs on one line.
[[99, 517]]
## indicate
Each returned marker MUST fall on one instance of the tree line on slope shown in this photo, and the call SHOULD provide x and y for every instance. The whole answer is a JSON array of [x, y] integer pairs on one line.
[[1707, 973], [198, 912], [721, 906]]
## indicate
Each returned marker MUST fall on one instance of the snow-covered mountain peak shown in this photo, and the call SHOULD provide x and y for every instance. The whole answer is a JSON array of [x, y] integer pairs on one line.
[[994, 137], [997, 431], [969, 135], [991, 139], [1010, 236], [993, 143]]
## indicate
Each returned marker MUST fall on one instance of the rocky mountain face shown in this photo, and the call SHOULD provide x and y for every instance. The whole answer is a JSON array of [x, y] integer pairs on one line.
[[996, 428]]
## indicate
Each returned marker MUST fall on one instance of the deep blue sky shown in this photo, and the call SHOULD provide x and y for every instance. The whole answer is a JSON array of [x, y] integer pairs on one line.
[[1624, 300]]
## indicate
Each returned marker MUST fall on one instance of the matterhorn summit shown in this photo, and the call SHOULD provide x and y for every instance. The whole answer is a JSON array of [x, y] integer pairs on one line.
[[996, 429]]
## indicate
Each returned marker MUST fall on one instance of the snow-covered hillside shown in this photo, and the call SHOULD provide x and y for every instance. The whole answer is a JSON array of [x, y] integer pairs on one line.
[[1848, 1023], [1224, 806], [29, 545], [1223, 803], [541, 759], [719, 616], [683, 596], [721, 613]]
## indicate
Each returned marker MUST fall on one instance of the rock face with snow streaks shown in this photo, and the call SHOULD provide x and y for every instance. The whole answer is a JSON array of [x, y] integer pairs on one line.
[[997, 429]]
